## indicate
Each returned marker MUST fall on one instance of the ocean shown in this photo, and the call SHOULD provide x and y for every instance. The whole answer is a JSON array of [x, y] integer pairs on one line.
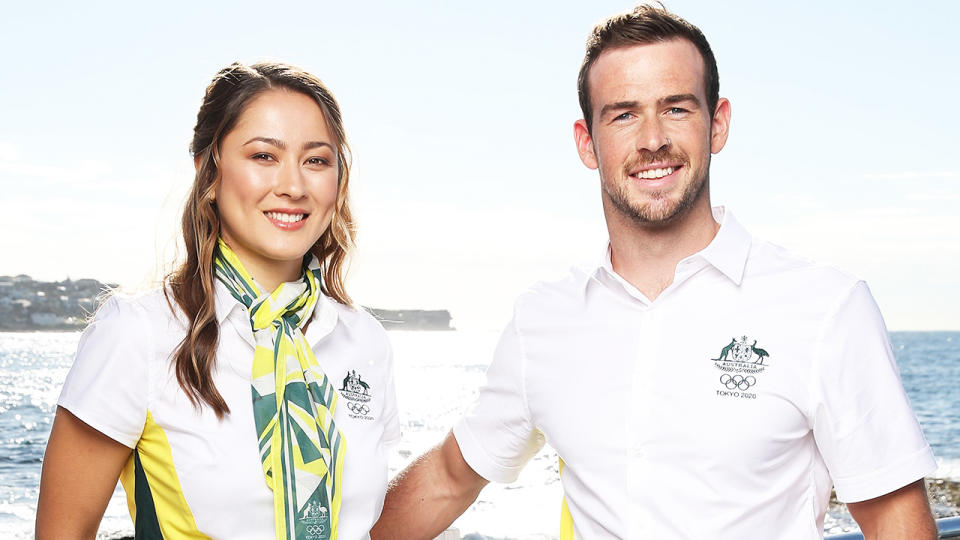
[[437, 376]]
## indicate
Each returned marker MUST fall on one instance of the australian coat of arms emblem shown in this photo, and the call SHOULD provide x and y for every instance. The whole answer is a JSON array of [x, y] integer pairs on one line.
[[740, 361], [315, 520], [742, 356], [357, 394], [354, 388]]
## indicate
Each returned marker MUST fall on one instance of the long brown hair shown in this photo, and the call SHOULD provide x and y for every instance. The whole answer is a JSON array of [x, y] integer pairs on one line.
[[192, 283]]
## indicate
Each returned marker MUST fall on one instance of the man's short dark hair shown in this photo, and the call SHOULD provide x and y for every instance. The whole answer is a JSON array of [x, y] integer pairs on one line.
[[644, 25]]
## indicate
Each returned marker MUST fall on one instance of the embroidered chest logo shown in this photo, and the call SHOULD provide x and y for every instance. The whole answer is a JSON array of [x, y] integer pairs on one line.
[[741, 361], [358, 395]]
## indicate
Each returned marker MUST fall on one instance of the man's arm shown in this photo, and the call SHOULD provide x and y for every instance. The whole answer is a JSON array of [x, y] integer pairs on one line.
[[428, 495], [902, 514]]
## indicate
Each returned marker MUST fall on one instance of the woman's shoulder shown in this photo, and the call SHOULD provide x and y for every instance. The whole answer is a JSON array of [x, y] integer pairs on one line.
[[358, 318], [360, 325], [152, 311]]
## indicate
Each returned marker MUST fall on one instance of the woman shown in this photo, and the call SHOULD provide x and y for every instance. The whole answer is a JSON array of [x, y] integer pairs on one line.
[[247, 398]]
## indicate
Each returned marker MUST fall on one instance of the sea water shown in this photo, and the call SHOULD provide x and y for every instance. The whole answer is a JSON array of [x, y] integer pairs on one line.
[[437, 376]]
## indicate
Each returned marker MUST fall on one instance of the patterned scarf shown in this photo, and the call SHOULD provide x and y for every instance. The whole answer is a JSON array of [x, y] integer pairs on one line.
[[301, 448]]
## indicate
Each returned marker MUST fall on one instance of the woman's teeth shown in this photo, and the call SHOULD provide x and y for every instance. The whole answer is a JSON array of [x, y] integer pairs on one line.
[[286, 218]]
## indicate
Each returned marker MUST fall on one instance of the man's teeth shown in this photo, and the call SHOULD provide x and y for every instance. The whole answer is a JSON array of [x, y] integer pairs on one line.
[[654, 173], [286, 218]]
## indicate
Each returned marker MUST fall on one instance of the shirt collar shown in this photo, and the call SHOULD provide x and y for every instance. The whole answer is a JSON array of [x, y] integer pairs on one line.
[[727, 252], [324, 313], [729, 249], [224, 302]]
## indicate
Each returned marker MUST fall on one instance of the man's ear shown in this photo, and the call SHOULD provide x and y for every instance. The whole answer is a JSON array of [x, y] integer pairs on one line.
[[720, 126], [585, 144]]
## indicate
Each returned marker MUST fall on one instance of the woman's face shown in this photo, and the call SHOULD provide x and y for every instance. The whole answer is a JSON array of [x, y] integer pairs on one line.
[[278, 184]]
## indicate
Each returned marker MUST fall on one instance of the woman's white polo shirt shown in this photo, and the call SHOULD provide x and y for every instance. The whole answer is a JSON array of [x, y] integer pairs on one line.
[[204, 474]]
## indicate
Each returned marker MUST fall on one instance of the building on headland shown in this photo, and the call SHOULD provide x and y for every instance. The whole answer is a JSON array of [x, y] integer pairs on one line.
[[26, 304]]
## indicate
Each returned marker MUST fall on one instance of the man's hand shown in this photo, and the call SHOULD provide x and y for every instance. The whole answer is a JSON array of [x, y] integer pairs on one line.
[[427, 496], [902, 514]]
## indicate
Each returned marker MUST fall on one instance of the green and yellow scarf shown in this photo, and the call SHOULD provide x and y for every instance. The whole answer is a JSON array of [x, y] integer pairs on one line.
[[301, 448]]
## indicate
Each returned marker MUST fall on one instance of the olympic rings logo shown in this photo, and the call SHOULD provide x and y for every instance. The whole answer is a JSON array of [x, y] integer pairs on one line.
[[315, 530], [358, 408], [737, 381]]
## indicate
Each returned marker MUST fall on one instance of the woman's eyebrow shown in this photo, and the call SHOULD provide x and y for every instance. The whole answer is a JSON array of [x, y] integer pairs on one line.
[[283, 146], [269, 140]]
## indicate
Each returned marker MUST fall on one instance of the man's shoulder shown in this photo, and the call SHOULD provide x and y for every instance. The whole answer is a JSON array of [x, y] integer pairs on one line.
[[555, 296], [769, 262]]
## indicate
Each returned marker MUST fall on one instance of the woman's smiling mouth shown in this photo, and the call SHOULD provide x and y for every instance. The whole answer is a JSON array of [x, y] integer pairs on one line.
[[289, 220]]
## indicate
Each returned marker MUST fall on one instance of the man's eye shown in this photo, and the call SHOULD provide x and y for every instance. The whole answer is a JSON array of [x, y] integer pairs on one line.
[[622, 116], [676, 110]]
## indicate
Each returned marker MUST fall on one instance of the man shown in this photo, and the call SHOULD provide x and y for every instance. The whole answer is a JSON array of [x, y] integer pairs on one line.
[[691, 434]]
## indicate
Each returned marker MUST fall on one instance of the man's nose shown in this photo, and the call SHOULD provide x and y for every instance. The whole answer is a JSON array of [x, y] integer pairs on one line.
[[652, 137]]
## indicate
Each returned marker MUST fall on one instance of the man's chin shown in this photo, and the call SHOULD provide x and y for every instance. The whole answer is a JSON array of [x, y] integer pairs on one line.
[[657, 213]]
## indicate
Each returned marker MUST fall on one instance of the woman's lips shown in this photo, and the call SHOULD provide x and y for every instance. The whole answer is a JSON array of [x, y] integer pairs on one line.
[[288, 220]]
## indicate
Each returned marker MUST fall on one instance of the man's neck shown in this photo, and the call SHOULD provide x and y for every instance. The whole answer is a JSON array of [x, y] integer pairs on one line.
[[647, 255]]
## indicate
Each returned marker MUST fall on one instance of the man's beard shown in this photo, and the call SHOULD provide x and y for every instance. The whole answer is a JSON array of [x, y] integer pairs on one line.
[[657, 210]]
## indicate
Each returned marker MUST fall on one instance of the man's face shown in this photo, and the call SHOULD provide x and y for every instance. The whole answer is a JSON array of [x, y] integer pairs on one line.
[[652, 133]]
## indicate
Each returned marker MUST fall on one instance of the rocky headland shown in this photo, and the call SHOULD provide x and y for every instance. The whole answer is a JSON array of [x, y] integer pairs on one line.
[[28, 305]]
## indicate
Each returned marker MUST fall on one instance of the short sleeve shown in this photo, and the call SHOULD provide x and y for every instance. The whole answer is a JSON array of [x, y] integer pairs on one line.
[[864, 427], [391, 418], [497, 436], [108, 385]]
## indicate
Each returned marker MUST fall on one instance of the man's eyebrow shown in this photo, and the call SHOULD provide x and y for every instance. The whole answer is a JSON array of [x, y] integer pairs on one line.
[[617, 106], [679, 98]]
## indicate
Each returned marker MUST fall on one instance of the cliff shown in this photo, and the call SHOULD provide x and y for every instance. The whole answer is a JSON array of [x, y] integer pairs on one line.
[[30, 305]]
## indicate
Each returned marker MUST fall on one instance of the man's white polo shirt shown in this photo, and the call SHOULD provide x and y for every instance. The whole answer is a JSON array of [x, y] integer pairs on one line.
[[194, 475], [723, 409]]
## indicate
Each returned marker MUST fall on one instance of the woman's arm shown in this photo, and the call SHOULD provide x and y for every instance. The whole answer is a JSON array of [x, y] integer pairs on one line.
[[80, 471]]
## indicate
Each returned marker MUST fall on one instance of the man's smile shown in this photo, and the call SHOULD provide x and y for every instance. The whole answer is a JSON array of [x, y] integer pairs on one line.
[[655, 173]]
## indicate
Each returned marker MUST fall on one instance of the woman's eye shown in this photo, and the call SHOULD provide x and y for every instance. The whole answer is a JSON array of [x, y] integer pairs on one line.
[[317, 161], [262, 156]]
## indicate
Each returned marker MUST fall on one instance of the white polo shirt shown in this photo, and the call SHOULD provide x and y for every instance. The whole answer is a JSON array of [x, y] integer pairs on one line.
[[202, 477], [724, 409]]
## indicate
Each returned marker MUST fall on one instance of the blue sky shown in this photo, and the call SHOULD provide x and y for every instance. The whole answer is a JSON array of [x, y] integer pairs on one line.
[[466, 184]]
